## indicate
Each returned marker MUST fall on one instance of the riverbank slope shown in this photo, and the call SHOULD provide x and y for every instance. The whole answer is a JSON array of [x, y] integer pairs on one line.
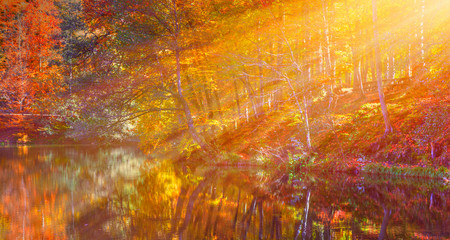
[[350, 134]]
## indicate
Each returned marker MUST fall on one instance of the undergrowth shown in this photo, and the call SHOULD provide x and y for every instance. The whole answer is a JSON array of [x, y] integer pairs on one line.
[[417, 171], [420, 123]]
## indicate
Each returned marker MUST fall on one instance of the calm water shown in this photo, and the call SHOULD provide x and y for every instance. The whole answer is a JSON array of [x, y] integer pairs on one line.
[[117, 193]]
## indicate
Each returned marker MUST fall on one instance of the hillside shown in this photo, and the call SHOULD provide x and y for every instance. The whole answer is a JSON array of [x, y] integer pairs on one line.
[[353, 132]]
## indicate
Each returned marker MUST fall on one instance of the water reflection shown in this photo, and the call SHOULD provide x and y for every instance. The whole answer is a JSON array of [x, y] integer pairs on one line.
[[114, 193], [44, 190]]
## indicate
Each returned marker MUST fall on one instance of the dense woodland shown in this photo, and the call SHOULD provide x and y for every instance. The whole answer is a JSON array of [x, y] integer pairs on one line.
[[337, 76], [336, 112]]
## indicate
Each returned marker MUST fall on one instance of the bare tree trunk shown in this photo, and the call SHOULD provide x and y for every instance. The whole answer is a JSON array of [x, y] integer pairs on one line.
[[372, 66], [386, 70], [391, 65], [238, 106], [410, 62], [357, 71], [422, 37], [418, 58], [307, 80], [195, 101], [328, 66], [278, 91], [365, 63], [307, 128], [208, 101], [355, 64], [219, 106], [187, 110], [347, 79], [261, 80], [387, 121], [250, 93]]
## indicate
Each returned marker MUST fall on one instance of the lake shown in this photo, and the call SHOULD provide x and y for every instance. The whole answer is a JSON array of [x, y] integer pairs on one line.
[[87, 192]]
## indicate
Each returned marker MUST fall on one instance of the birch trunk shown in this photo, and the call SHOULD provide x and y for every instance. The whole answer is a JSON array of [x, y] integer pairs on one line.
[[387, 121]]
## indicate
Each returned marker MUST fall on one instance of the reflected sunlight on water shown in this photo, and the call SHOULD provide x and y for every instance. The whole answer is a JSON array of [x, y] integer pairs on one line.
[[116, 193]]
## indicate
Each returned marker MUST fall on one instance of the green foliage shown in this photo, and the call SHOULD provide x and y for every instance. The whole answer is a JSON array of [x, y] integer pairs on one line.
[[417, 171]]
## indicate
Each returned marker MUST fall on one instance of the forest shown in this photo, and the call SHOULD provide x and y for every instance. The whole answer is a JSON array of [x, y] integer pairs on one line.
[[224, 119], [242, 82]]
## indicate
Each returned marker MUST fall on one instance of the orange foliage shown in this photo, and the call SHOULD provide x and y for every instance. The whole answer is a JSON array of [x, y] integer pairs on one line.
[[29, 73]]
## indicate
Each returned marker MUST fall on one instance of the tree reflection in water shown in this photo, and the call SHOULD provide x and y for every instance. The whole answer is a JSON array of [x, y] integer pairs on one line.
[[235, 204], [71, 193]]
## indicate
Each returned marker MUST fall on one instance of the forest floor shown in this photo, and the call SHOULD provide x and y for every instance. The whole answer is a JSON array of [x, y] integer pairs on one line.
[[349, 136]]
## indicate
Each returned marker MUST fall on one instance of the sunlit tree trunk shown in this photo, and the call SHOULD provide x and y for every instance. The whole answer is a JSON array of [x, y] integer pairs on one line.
[[194, 98], [357, 71], [366, 63], [347, 79], [387, 121], [410, 62], [328, 65], [278, 94], [363, 65], [418, 58], [208, 101], [372, 66], [307, 78], [390, 63], [260, 76], [250, 93], [187, 110], [219, 105], [236, 97], [357, 61], [422, 37]]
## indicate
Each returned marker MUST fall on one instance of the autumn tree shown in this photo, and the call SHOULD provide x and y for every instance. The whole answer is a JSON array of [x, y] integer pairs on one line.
[[149, 42], [198, 67], [30, 73], [30, 68]]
